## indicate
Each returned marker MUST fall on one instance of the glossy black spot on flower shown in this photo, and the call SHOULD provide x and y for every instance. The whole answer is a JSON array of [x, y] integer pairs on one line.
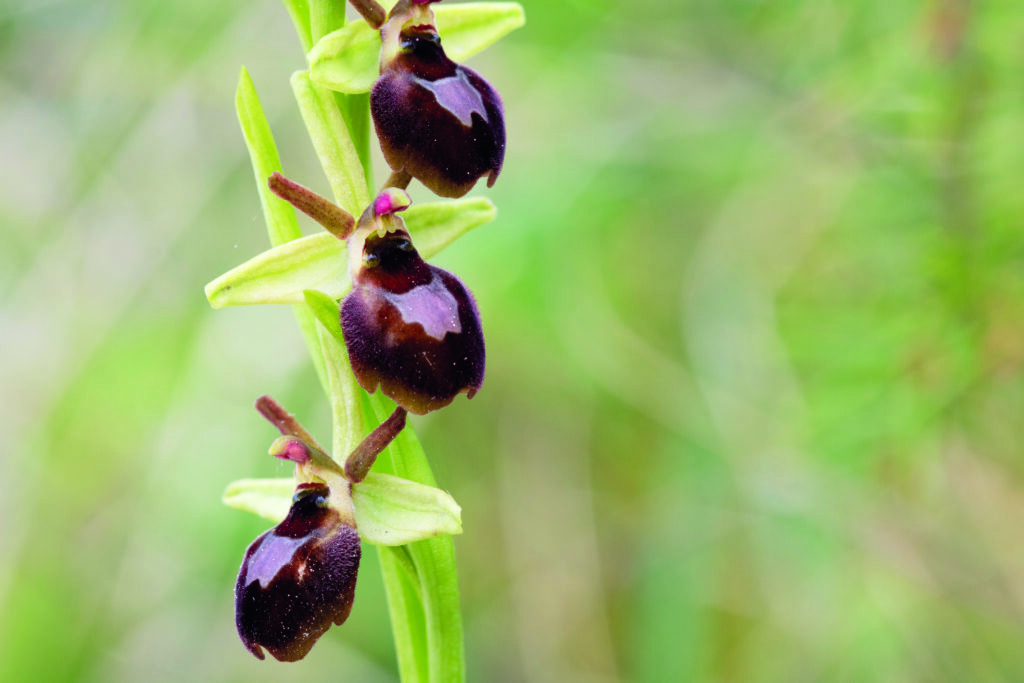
[[411, 328], [437, 120], [297, 579]]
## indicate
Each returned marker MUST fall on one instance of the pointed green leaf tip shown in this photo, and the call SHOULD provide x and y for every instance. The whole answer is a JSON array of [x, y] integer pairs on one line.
[[389, 510], [347, 59], [281, 275]]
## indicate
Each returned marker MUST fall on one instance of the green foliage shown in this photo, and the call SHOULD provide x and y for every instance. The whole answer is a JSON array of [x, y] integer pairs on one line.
[[755, 349]]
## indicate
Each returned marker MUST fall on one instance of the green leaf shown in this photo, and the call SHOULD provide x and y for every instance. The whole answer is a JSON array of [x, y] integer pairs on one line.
[[268, 498], [335, 149], [319, 262], [280, 216], [395, 511], [390, 511], [281, 274], [325, 309], [282, 224], [347, 59], [346, 417], [298, 10]]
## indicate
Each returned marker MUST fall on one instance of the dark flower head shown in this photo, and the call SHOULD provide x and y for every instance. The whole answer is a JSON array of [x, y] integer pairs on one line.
[[411, 328], [297, 579], [436, 120]]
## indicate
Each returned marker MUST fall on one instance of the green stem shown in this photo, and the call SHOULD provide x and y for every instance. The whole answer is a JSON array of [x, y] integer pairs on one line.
[[434, 578]]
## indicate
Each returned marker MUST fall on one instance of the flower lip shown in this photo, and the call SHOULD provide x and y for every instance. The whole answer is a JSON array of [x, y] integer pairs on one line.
[[411, 328], [437, 120], [298, 578]]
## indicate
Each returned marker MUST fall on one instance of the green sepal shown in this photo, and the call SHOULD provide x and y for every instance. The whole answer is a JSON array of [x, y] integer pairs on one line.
[[280, 275], [346, 60], [269, 498], [319, 262], [389, 510], [395, 511], [433, 226]]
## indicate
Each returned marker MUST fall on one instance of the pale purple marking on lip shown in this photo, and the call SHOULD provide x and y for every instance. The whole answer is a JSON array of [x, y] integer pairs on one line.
[[457, 95], [431, 305], [274, 553]]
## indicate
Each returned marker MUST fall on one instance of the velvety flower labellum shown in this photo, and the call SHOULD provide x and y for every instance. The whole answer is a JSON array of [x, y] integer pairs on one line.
[[437, 120], [411, 328], [297, 579]]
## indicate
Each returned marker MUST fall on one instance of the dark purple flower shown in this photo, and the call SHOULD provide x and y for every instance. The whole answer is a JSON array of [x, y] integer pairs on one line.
[[411, 328], [297, 579], [437, 120]]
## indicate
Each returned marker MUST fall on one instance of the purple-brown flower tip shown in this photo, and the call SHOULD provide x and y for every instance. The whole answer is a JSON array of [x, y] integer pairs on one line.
[[411, 328], [391, 200], [297, 579], [437, 120]]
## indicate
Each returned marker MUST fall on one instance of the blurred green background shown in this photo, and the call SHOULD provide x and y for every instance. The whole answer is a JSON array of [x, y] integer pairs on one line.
[[755, 318]]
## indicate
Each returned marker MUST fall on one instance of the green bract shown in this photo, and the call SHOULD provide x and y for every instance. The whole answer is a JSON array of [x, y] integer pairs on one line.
[[346, 60]]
